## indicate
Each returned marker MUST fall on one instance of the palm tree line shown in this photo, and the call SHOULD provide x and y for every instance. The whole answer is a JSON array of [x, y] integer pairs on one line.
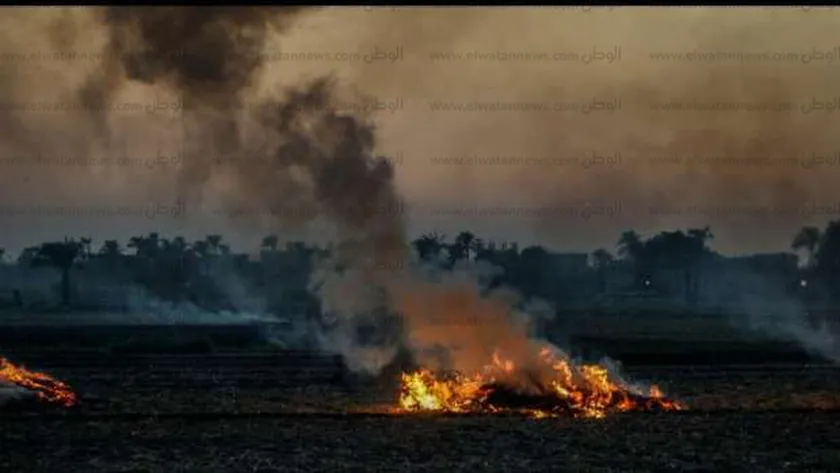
[[172, 267]]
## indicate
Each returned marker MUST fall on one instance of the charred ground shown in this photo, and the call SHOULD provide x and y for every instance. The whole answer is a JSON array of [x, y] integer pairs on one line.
[[289, 411]]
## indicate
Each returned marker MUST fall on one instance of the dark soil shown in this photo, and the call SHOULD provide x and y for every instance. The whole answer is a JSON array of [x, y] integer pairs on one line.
[[293, 413], [206, 339]]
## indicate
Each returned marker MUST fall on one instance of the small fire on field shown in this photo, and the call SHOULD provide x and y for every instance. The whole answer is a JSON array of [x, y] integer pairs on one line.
[[553, 387], [42, 386]]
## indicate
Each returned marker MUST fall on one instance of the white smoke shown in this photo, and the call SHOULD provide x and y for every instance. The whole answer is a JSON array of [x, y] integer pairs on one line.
[[423, 310], [786, 319]]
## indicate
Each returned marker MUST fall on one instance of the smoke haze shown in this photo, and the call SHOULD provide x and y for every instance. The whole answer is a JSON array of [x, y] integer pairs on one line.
[[265, 137], [417, 134]]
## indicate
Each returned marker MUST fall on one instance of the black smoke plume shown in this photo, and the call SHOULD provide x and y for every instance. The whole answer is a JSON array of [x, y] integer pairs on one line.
[[302, 158]]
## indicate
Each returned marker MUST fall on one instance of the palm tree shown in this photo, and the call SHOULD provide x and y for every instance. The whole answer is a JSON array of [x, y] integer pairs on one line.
[[110, 252], [808, 239], [269, 243], [463, 247], [146, 260], [174, 268], [428, 245], [60, 255], [154, 243], [145, 247], [110, 249], [136, 243]]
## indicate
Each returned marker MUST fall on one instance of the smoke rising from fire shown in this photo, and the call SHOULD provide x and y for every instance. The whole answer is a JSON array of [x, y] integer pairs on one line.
[[319, 158], [315, 157]]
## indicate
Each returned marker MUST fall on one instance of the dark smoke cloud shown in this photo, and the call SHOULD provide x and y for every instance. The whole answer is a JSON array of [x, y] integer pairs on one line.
[[312, 156], [320, 158], [315, 161], [211, 55]]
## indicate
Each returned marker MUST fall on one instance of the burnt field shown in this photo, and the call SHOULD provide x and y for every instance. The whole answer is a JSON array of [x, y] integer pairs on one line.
[[295, 411]]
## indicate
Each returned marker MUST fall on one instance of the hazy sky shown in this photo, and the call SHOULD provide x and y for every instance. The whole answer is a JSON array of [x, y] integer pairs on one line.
[[569, 175]]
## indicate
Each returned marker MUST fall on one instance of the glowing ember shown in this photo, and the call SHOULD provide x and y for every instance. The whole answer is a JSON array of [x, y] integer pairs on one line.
[[553, 388], [43, 386]]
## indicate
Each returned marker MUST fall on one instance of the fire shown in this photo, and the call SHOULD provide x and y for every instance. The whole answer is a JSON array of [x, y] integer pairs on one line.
[[43, 386], [553, 388]]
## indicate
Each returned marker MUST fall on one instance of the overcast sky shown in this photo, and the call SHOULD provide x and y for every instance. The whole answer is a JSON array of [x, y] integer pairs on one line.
[[568, 118]]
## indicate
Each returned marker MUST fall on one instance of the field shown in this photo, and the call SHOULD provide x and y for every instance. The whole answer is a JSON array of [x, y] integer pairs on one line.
[[294, 411]]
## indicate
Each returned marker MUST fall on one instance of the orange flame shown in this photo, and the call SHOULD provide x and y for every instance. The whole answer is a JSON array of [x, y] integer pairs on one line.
[[585, 391], [43, 386]]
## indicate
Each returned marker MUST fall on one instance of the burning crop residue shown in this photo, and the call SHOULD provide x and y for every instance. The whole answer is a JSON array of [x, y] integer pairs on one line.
[[554, 387], [42, 386]]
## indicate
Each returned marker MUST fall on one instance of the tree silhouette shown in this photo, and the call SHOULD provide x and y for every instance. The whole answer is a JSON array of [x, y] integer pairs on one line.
[[668, 250], [60, 255], [463, 247], [675, 250], [110, 249], [145, 247], [429, 245], [269, 243], [111, 253], [146, 260], [175, 262], [175, 269]]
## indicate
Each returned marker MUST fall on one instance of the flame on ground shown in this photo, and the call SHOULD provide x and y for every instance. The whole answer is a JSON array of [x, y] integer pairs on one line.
[[554, 388], [43, 386]]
